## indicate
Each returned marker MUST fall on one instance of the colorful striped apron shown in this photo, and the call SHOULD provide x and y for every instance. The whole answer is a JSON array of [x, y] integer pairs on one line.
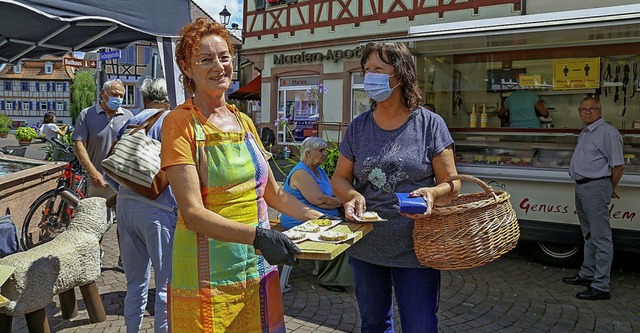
[[221, 286]]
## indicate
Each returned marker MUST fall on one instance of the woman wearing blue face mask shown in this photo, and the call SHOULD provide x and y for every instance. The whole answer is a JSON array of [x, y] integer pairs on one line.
[[397, 146]]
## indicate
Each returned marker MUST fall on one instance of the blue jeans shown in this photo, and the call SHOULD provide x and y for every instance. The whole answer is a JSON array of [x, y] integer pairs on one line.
[[417, 292], [146, 238]]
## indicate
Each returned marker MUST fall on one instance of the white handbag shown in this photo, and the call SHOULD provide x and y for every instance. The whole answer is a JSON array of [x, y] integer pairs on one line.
[[134, 161]]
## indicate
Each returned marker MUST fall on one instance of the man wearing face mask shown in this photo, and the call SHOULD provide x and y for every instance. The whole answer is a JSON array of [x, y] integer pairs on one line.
[[96, 129]]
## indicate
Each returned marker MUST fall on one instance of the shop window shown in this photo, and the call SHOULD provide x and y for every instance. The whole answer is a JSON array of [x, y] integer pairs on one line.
[[359, 99], [297, 115]]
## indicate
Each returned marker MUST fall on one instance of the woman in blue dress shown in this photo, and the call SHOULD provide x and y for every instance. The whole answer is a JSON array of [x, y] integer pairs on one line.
[[309, 183]]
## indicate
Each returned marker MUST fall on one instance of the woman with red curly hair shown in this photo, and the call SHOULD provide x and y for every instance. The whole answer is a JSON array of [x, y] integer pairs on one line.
[[222, 182]]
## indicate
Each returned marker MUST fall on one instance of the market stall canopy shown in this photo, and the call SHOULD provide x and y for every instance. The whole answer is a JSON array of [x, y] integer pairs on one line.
[[250, 90], [581, 27], [32, 28]]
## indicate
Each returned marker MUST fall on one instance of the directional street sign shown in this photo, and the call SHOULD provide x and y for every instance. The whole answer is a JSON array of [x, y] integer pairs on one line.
[[74, 62], [110, 55]]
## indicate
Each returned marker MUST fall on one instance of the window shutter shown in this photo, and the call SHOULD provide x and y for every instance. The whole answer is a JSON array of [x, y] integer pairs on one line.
[[1, 104], [65, 106], [37, 106], [53, 86], [48, 86], [37, 86], [64, 86]]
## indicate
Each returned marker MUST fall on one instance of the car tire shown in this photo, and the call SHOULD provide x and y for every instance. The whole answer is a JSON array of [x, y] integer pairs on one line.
[[555, 254]]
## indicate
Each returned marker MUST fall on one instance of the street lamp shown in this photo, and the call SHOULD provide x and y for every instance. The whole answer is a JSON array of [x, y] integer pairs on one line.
[[225, 16]]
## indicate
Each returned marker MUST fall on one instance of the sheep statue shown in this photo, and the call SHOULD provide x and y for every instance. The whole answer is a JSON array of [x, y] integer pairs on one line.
[[56, 268]]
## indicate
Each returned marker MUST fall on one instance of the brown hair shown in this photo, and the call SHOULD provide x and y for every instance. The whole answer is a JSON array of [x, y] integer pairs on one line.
[[398, 56], [48, 117], [188, 46]]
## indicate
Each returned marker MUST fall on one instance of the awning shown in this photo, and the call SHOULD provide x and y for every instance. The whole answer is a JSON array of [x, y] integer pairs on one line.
[[250, 90], [32, 28], [583, 27]]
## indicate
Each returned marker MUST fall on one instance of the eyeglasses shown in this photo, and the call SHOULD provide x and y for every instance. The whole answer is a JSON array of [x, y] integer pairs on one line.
[[208, 62], [588, 110]]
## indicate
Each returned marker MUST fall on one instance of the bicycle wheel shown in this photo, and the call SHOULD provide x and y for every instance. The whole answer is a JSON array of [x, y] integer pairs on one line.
[[48, 216]]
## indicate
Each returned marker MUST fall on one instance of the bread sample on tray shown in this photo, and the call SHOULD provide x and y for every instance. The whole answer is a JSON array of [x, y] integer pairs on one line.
[[295, 235], [333, 236], [321, 222], [369, 216], [307, 227]]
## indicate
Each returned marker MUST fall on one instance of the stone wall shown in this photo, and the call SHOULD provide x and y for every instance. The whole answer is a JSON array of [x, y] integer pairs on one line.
[[18, 190]]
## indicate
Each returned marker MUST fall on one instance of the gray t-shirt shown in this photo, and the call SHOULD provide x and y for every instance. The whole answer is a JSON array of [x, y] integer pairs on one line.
[[386, 162], [599, 149], [99, 132]]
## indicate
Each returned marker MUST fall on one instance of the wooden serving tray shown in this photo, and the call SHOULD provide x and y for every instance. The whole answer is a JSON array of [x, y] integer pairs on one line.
[[327, 251]]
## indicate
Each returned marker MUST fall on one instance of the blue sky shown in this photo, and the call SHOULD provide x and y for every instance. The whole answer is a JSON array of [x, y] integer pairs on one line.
[[214, 7]]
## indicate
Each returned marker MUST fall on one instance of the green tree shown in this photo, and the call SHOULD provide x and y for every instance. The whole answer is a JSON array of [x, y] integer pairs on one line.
[[83, 93]]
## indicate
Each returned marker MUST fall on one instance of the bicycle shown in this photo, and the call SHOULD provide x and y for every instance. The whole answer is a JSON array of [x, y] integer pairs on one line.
[[50, 214]]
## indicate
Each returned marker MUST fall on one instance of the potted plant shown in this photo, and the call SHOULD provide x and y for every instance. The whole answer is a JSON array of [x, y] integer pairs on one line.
[[5, 124], [25, 135]]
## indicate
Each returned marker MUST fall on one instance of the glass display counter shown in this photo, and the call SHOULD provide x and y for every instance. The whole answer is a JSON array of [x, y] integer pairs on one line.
[[531, 148], [532, 165]]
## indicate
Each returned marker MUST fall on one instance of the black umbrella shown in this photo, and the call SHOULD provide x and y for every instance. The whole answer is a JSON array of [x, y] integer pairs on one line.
[[30, 29]]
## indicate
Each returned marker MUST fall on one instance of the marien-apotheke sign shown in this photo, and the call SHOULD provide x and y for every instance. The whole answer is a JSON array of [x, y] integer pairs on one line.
[[330, 55]]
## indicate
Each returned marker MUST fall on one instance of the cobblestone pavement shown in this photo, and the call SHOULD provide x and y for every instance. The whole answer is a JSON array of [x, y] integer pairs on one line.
[[512, 294]]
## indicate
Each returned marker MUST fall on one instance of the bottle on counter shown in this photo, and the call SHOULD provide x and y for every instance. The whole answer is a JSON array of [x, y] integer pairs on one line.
[[483, 116], [473, 117]]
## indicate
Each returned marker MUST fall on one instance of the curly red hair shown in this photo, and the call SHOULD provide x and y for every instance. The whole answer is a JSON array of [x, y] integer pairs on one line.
[[188, 45]]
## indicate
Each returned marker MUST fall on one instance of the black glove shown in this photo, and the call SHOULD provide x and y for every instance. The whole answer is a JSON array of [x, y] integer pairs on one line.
[[331, 217], [276, 247]]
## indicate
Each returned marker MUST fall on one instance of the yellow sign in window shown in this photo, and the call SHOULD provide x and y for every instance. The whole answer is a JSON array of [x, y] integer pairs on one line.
[[530, 81], [576, 73]]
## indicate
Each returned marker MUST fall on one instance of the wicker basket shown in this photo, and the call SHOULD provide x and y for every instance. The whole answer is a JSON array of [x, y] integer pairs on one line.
[[470, 231]]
